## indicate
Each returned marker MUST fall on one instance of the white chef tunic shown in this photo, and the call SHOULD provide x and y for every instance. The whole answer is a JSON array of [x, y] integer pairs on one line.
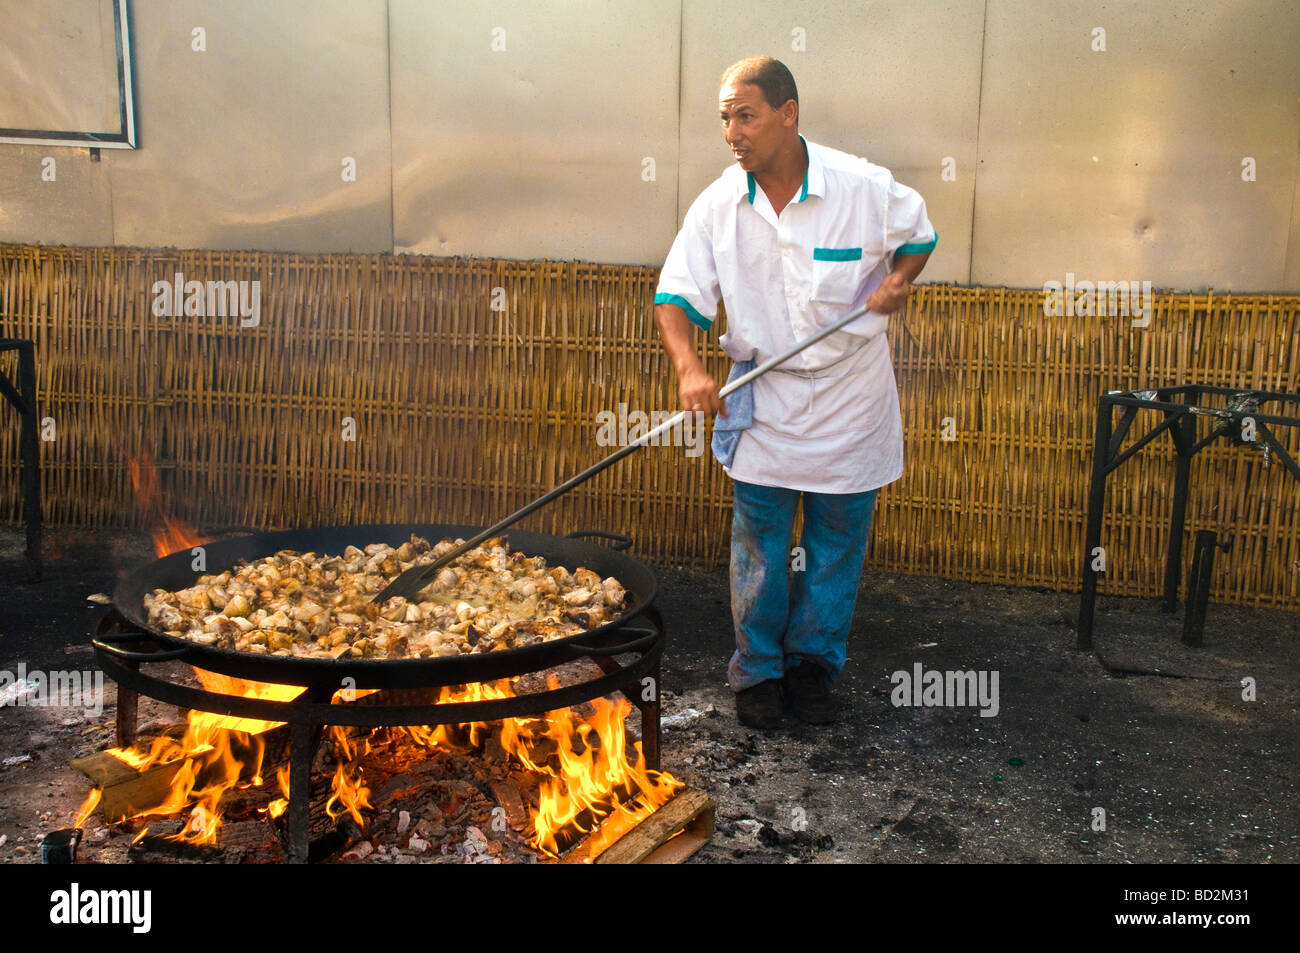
[[827, 420]]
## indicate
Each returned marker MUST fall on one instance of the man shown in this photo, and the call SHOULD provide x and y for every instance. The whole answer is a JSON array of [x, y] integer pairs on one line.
[[791, 237]]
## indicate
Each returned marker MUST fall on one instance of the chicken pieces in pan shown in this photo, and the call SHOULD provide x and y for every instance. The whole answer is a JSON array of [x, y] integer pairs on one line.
[[317, 606]]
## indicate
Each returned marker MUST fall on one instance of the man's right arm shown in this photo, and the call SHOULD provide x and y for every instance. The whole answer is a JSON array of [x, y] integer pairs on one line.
[[698, 390]]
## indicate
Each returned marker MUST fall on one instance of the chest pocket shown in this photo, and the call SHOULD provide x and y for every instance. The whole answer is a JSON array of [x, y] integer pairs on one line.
[[836, 274]]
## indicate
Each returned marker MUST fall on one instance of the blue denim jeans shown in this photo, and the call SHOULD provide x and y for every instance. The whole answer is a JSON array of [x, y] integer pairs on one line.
[[789, 608]]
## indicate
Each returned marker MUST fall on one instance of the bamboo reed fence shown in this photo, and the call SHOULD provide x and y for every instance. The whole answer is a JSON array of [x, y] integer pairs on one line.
[[472, 386]]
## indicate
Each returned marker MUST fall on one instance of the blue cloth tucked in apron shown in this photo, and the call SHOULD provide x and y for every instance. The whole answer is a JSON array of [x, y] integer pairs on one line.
[[740, 410]]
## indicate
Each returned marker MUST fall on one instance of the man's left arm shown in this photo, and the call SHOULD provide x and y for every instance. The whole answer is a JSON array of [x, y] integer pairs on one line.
[[910, 238], [891, 294]]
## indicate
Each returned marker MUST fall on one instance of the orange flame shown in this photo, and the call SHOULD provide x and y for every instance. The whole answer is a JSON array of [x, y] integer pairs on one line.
[[584, 764], [87, 808], [169, 535], [211, 757], [243, 688], [594, 777], [280, 804], [347, 790], [588, 777]]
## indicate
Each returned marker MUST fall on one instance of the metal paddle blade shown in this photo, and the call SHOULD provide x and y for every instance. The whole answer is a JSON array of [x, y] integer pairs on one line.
[[409, 583]]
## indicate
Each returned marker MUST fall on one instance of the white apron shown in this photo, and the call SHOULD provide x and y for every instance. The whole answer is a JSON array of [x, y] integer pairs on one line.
[[834, 430]]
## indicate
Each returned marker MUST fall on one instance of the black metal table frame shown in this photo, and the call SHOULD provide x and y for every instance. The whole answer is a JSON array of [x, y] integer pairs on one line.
[[23, 398], [1181, 407], [309, 713]]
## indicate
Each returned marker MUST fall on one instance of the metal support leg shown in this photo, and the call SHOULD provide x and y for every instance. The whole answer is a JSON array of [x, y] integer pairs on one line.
[[109, 624], [650, 726], [23, 399], [301, 752], [1092, 536], [1198, 587], [1178, 518], [31, 453], [128, 704]]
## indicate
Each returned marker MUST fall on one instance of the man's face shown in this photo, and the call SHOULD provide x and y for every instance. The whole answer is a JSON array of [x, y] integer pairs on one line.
[[753, 130]]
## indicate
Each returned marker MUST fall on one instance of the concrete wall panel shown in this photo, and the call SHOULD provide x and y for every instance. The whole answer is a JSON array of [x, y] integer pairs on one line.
[[523, 130]]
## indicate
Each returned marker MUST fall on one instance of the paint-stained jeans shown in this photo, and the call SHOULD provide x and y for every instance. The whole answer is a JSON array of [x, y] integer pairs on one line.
[[786, 608]]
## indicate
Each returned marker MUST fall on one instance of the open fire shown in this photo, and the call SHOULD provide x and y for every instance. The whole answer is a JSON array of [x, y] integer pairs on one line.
[[585, 774], [584, 771]]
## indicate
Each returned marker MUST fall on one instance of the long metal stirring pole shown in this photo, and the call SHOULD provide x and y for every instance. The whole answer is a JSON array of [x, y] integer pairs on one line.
[[416, 578]]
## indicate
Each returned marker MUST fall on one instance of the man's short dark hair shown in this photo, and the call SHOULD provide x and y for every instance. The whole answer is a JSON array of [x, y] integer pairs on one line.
[[769, 75]]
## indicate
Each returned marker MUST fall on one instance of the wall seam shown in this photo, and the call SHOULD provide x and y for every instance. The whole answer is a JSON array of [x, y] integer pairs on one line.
[[979, 124], [681, 42], [392, 198], [1289, 283]]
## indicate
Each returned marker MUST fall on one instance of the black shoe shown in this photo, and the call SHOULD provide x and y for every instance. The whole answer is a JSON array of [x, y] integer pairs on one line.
[[760, 706], [808, 691]]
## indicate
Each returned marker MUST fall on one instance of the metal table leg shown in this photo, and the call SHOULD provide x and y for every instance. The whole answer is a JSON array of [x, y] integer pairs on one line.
[[1092, 536], [1183, 441], [23, 399]]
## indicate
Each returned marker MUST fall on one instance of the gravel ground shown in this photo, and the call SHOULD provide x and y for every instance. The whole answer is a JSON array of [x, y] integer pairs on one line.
[[1152, 737]]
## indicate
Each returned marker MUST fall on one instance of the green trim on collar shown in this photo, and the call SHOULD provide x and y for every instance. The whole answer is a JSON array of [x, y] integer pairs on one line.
[[837, 254], [803, 192], [697, 319], [807, 175], [917, 248]]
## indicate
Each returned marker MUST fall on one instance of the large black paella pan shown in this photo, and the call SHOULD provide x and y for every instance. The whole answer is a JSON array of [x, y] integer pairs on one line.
[[176, 572]]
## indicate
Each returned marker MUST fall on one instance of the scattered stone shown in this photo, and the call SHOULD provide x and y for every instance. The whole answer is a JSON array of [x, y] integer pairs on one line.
[[681, 718], [359, 851], [475, 848]]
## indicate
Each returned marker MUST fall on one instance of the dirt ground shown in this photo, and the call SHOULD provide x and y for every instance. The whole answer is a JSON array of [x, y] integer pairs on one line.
[[1154, 738]]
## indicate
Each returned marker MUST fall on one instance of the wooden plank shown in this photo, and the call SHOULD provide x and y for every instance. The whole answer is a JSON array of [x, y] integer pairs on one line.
[[689, 816], [127, 791], [679, 848], [637, 844], [103, 769]]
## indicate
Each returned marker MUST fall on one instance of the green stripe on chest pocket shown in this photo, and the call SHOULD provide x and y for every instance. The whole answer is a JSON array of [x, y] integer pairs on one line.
[[837, 254]]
